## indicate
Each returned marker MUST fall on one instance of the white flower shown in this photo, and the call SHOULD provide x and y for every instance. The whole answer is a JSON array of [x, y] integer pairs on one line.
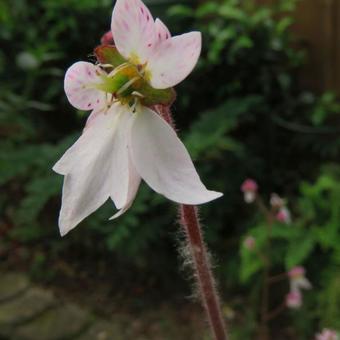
[[123, 143]]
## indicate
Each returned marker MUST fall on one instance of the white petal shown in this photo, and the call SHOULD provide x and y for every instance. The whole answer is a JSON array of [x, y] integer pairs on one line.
[[134, 182], [79, 84], [133, 30], [162, 32], [163, 162], [95, 168], [174, 59]]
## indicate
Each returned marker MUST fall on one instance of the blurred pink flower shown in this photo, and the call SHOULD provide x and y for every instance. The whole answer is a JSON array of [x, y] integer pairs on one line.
[[276, 201], [298, 280], [327, 334], [283, 215], [249, 188], [125, 141], [249, 242], [294, 300]]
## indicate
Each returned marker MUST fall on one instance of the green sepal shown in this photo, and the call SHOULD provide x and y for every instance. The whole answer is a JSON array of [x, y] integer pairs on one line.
[[113, 84], [108, 54], [153, 96]]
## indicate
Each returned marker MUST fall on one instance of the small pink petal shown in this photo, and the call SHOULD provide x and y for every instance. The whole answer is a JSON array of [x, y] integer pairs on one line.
[[174, 59], [79, 83]]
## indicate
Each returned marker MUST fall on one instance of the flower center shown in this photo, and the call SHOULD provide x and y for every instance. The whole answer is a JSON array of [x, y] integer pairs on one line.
[[128, 81]]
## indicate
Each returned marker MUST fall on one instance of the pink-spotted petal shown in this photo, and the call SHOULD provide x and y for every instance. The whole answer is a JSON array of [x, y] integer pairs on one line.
[[79, 84], [174, 59], [162, 32], [133, 30], [95, 168], [163, 162]]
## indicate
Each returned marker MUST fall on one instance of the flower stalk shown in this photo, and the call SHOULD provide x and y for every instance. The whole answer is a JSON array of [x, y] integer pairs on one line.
[[203, 274], [200, 258]]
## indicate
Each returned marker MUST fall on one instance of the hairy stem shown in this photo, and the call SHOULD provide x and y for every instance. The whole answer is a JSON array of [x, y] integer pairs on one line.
[[203, 274], [199, 254]]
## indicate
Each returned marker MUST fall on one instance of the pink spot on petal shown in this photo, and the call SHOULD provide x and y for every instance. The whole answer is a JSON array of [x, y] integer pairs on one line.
[[147, 17], [149, 45], [142, 10]]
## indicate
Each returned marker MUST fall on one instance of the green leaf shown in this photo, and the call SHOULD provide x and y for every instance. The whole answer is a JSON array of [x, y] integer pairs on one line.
[[299, 250]]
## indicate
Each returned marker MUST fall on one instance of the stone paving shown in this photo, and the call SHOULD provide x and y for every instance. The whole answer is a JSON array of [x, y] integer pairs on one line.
[[28, 312]]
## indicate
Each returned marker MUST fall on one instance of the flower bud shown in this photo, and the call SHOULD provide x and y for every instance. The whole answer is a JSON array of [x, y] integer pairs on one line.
[[249, 188], [297, 279], [249, 242], [276, 201], [283, 215], [294, 300], [107, 38]]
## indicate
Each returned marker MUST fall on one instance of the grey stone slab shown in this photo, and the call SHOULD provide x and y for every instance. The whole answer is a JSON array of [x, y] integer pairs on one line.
[[11, 285], [63, 322], [103, 330], [25, 307]]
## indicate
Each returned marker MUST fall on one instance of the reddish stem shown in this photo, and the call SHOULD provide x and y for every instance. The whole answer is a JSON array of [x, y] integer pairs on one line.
[[189, 221], [277, 278], [203, 274]]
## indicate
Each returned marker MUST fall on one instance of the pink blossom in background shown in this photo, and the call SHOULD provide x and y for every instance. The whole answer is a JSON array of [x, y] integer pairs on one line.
[[297, 279], [276, 201], [284, 216], [125, 141], [249, 188], [297, 271], [327, 334], [294, 300], [249, 242]]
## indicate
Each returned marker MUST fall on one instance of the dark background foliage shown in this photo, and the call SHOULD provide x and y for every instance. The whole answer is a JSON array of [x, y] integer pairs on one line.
[[242, 113]]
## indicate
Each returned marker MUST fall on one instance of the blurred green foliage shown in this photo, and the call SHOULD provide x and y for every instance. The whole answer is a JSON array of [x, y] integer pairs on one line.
[[242, 113]]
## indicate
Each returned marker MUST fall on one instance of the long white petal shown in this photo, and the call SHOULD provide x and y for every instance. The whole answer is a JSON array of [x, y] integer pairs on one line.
[[163, 162], [133, 30], [95, 168], [174, 59], [133, 185]]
